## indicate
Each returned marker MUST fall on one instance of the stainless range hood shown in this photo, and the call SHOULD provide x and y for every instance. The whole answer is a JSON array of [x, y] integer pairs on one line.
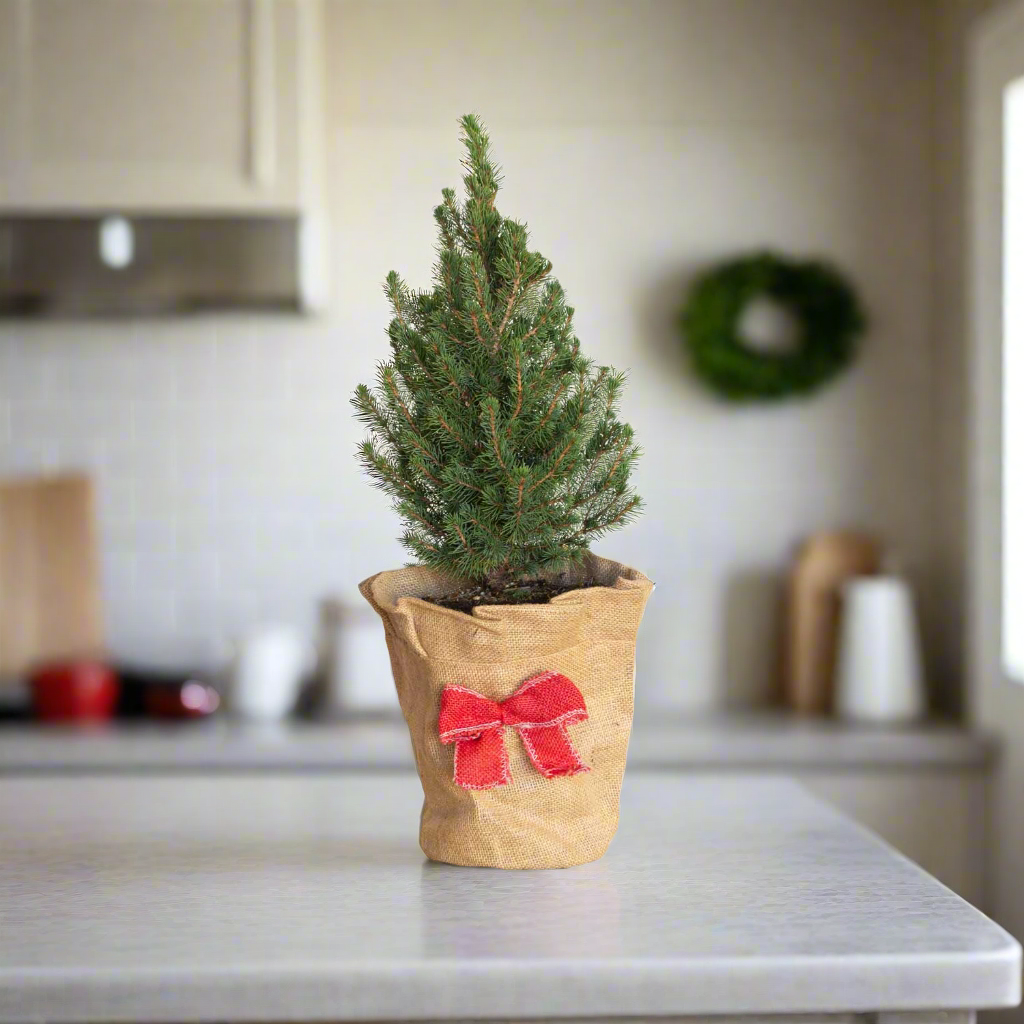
[[83, 266]]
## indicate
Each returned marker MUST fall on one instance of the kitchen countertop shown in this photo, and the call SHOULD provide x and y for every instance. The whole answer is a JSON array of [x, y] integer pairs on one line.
[[286, 897], [764, 741]]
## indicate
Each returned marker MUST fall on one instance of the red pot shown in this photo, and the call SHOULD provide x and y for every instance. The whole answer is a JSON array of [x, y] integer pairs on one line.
[[74, 691]]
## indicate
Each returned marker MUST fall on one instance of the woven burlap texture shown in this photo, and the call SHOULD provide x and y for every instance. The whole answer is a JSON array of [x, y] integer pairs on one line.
[[587, 634]]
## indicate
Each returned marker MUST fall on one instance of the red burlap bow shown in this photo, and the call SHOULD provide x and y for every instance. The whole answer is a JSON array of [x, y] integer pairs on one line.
[[540, 710]]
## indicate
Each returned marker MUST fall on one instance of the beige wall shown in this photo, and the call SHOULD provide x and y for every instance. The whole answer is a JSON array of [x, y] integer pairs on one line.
[[640, 140], [953, 22]]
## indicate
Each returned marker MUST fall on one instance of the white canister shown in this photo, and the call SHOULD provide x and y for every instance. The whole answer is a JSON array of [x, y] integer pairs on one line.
[[359, 680], [267, 672], [879, 673]]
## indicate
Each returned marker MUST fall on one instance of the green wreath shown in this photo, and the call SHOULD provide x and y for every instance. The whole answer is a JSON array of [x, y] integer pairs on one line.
[[825, 308]]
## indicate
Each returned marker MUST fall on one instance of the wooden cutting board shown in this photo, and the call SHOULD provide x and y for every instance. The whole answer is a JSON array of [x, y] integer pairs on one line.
[[50, 598], [822, 566]]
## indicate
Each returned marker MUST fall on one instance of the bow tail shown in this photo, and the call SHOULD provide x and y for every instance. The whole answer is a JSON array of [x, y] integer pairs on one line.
[[551, 750], [481, 761]]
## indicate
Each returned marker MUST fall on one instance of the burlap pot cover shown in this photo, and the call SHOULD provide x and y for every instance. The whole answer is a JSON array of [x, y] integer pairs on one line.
[[588, 635]]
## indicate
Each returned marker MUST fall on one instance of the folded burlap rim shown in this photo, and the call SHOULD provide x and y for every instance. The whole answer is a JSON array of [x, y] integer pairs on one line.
[[493, 633]]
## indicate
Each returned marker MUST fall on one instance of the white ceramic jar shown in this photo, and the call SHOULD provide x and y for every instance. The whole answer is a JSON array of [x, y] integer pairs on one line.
[[879, 671], [267, 672]]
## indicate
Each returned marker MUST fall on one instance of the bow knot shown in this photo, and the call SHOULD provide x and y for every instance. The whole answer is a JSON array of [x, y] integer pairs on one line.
[[540, 711]]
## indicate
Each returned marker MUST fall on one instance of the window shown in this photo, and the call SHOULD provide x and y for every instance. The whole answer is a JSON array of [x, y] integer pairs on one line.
[[1013, 380]]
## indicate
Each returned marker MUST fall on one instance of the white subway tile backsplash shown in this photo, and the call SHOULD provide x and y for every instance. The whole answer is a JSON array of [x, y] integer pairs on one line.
[[119, 575], [152, 610], [25, 376], [79, 455], [179, 574], [82, 420], [211, 532], [138, 535], [122, 458], [20, 457]]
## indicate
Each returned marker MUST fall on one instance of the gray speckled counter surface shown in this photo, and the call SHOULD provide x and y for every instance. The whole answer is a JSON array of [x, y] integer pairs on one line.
[[272, 898]]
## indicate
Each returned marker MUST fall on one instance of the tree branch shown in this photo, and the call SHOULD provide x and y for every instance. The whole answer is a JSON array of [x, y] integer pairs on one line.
[[494, 439], [511, 301], [519, 395], [604, 526], [462, 537]]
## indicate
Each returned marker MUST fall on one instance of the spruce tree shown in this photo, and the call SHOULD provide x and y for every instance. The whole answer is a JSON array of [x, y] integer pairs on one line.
[[498, 441]]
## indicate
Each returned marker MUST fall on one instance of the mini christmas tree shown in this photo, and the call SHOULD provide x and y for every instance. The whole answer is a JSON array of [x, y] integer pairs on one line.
[[496, 438]]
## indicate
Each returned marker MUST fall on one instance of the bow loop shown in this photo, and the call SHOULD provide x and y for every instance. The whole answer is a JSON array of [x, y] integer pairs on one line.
[[540, 710], [465, 714], [546, 699]]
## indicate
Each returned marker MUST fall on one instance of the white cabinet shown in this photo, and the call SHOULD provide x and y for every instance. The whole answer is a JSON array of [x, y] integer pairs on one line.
[[160, 105], [937, 818]]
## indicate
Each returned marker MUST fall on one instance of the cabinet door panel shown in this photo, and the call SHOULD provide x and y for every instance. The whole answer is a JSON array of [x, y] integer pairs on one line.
[[937, 819], [157, 105], [128, 83]]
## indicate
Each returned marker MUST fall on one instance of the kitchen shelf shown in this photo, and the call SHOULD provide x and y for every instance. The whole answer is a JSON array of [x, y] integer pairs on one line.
[[726, 742]]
